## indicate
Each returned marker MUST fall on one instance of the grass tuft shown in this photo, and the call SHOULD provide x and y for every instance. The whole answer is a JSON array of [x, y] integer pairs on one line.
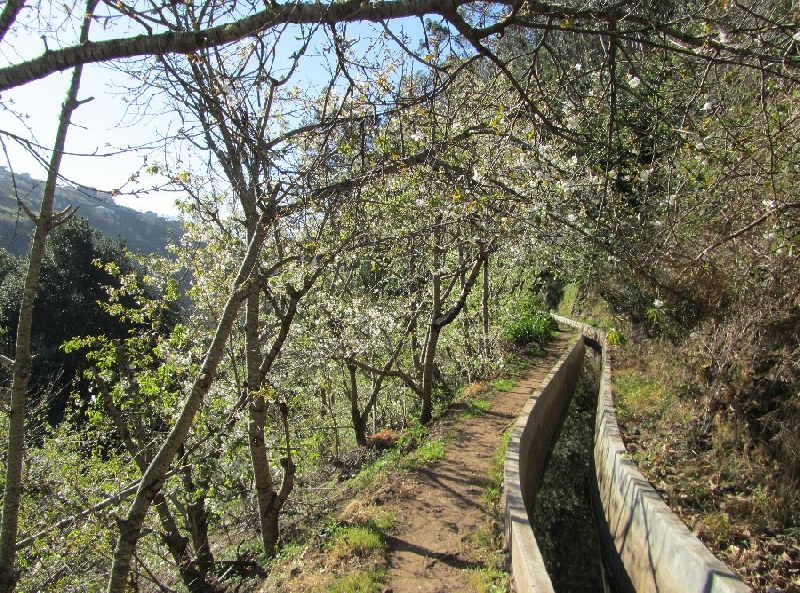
[[358, 541], [504, 384]]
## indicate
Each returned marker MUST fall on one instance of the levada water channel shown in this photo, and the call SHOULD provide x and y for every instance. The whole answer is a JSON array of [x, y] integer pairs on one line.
[[563, 519]]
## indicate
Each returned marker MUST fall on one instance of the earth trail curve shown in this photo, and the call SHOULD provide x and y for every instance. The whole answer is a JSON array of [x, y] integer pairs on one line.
[[443, 506]]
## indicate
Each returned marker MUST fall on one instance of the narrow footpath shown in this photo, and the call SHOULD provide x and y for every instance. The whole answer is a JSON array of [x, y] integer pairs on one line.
[[443, 508]]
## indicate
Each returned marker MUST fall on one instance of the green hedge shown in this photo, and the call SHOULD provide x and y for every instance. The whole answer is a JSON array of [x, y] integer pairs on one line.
[[531, 327]]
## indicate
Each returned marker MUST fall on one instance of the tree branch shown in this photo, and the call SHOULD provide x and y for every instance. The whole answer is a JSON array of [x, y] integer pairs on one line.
[[402, 375], [190, 41]]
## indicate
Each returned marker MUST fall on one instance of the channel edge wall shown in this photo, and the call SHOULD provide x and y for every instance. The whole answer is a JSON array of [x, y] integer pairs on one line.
[[526, 457], [656, 550], [647, 547]]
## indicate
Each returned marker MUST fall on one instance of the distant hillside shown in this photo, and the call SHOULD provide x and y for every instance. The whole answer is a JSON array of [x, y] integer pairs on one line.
[[142, 232]]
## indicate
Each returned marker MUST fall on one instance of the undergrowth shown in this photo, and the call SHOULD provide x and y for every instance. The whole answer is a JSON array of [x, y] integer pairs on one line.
[[728, 489], [350, 551]]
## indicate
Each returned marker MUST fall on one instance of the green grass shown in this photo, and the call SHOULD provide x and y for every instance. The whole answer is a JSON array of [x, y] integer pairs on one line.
[[423, 451], [504, 384], [372, 580], [494, 489], [476, 408], [357, 541], [489, 580], [386, 462], [531, 327], [641, 399], [383, 521], [428, 452]]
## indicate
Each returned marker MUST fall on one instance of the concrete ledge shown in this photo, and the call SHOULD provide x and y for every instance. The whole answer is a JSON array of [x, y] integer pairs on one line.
[[526, 456], [656, 550]]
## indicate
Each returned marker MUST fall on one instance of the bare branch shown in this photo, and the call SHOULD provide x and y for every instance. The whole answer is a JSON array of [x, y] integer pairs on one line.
[[744, 229]]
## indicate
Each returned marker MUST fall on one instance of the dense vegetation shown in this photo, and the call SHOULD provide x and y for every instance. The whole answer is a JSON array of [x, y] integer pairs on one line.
[[72, 289], [354, 251]]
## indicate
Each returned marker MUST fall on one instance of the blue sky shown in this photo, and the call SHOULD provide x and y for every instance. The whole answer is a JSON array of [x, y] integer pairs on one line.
[[101, 127]]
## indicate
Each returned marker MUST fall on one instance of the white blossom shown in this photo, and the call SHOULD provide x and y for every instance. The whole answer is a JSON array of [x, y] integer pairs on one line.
[[658, 303], [573, 121], [633, 81]]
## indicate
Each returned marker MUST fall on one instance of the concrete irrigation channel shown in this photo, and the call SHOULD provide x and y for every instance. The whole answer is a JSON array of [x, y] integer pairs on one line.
[[644, 546]]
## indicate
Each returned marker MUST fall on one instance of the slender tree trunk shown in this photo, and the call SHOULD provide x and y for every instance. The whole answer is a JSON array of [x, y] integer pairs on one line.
[[359, 421], [466, 326], [426, 412], [485, 307], [23, 360], [264, 487], [197, 522], [153, 478], [439, 320], [271, 502], [432, 335]]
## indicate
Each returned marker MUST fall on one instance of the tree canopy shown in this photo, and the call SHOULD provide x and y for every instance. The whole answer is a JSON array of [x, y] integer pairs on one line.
[[357, 244]]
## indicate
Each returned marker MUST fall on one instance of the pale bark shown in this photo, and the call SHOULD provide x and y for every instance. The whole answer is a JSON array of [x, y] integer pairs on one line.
[[45, 221], [438, 321], [270, 502], [153, 478]]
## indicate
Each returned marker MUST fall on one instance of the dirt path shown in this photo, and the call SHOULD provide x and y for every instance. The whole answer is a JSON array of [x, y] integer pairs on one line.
[[431, 550]]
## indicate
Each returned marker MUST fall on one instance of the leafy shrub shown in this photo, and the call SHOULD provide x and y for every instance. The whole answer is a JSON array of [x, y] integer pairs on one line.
[[531, 327]]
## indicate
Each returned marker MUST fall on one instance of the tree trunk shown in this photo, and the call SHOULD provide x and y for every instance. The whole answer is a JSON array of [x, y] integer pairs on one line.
[[152, 480], [264, 487], [438, 321], [23, 360], [269, 502], [426, 413], [359, 420], [197, 522], [485, 307], [432, 334]]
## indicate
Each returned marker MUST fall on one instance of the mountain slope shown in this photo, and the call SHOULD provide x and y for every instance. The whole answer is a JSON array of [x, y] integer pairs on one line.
[[144, 232]]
